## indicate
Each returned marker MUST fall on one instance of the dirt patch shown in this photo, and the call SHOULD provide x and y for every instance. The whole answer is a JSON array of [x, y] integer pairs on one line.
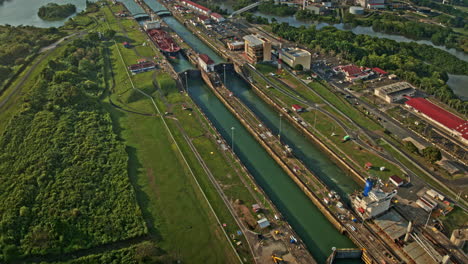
[[289, 83], [151, 180], [246, 215]]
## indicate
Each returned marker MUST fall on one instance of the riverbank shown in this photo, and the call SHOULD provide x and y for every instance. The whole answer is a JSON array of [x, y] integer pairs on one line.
[[53, 11]]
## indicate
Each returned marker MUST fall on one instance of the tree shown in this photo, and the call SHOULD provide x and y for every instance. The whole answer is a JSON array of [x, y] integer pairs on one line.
[[411, 147], [4, 73], [10, 253], [432, 154], [93, 36], [109, 33]]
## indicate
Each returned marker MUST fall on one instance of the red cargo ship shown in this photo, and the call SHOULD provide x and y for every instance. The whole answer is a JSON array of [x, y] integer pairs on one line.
[[164, 41]]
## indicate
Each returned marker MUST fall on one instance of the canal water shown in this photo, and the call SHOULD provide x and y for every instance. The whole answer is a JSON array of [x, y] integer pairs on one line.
[[314, 229], [308, 152], [24, 12]]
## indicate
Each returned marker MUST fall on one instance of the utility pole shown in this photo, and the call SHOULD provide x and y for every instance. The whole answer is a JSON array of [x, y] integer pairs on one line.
[[186, 83], [279, 134], [315, 116], [224, 66], [428, 217]]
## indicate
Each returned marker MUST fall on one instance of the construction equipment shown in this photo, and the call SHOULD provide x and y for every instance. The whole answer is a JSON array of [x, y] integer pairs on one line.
[[277, 260]]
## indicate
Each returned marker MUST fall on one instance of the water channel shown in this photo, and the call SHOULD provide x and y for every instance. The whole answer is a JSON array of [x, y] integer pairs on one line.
[[24, 12], [315, 230]]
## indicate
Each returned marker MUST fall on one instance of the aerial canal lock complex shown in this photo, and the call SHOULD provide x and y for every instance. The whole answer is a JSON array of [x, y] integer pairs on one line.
[[215, 136]]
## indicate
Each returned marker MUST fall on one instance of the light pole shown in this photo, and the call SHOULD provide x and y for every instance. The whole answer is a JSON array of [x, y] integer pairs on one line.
[[186, 82], [279, 133], [232, 139], [315, 116], [224, 67], [428, 217]]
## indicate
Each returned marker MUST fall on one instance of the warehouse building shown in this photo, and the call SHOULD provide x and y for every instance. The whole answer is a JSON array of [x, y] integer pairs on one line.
[[142, 67], [440, 117], [296, 56], [257, 49], [196, 7], [395, 92]]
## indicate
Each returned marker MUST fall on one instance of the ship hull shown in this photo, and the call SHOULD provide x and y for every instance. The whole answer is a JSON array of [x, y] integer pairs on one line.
[[164, 42]]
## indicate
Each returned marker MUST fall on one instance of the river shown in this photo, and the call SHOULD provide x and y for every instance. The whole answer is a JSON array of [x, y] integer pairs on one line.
[[24, 12]]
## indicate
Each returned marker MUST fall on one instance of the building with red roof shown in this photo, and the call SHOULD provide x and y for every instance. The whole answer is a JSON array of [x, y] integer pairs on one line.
[[297, 108], [196, 7], [204, 19], [397, 181], [379, 71], [217, 17], [206, 63], [353, 72], [142, 67], [440, 117]]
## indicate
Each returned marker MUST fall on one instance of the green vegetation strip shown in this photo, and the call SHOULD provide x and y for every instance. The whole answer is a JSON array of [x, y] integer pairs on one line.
[[71, 188]]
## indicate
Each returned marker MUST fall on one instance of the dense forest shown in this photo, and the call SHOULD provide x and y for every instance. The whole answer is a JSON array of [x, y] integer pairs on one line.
[[399, 25], [53, 11], [269, 7], [241, 4], [63, 171], [421, 65], [19, 44], [145, 252]]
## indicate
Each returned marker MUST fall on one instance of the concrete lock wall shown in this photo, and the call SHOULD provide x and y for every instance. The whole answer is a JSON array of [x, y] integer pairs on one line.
[[342, 163], [317, 202]]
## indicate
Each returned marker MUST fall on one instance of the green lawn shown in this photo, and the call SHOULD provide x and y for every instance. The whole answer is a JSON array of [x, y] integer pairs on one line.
[[326, 126], [454, 220], [345, 107]]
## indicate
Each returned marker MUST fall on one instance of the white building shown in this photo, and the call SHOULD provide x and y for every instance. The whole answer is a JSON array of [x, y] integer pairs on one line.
[[395, 92], [376, 203], [296, 56], [206, 63], [152, 24]]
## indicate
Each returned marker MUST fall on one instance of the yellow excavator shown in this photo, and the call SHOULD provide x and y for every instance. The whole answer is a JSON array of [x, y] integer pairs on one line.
[[277, 260]]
